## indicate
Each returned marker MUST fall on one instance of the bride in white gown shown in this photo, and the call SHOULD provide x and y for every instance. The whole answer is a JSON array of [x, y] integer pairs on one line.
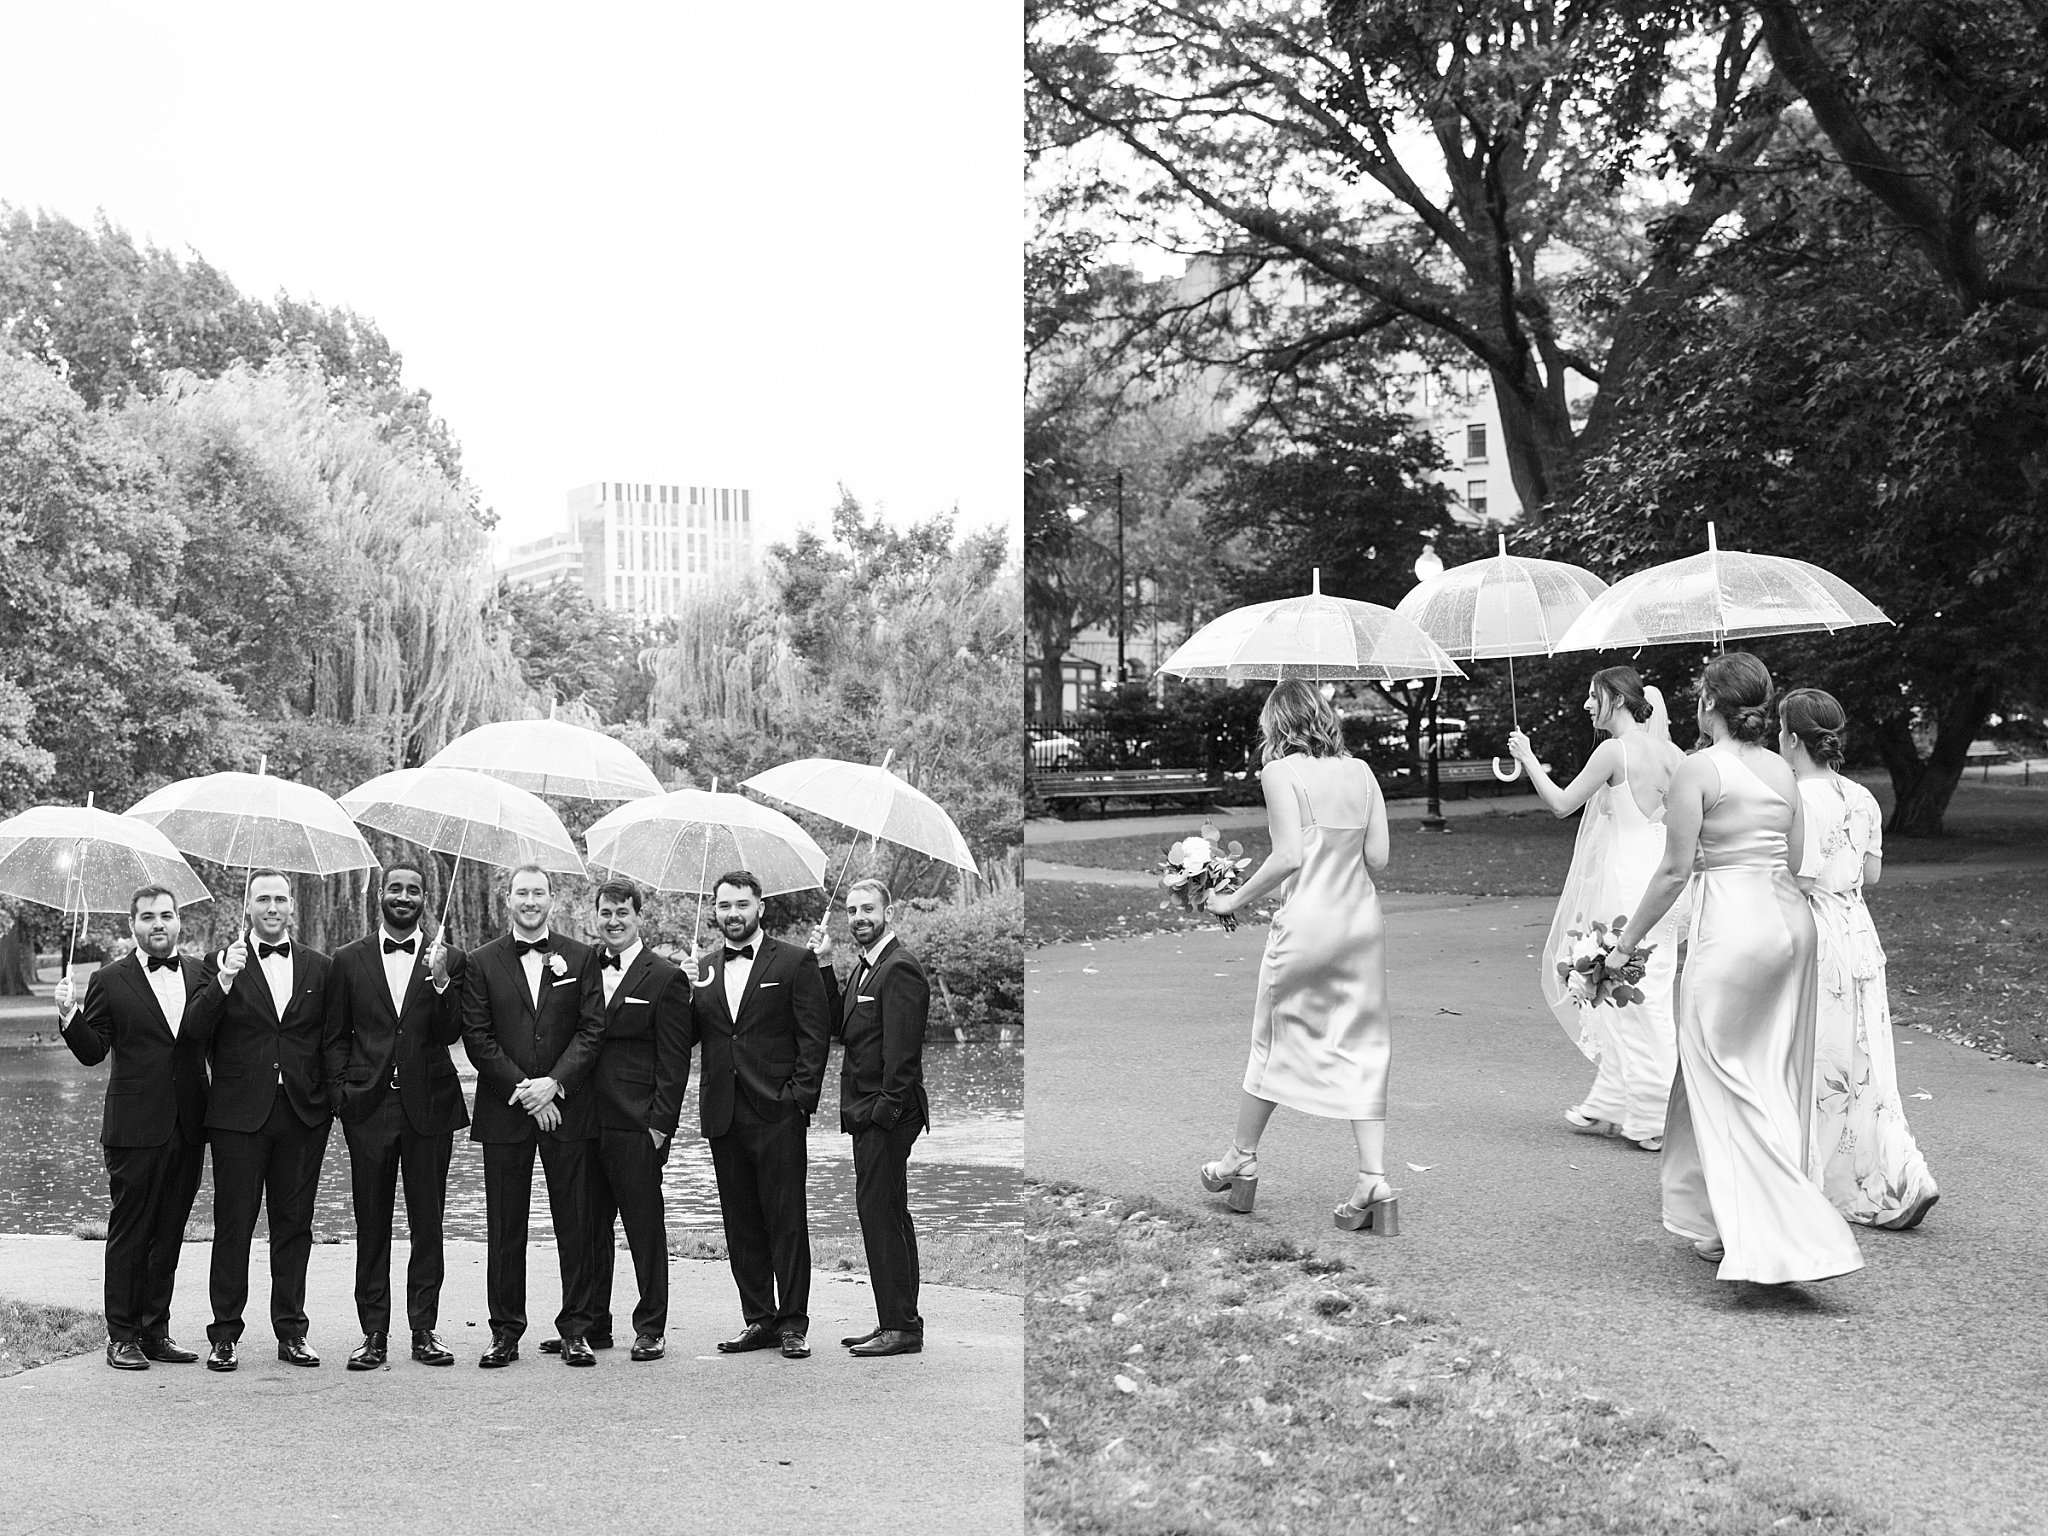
[[1621, 838]]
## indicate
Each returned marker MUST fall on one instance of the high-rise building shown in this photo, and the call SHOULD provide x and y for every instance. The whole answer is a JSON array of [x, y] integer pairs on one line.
[[641, 546]]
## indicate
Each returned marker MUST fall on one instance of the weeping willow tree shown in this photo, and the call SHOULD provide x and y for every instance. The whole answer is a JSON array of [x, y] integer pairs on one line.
[[732, 663]]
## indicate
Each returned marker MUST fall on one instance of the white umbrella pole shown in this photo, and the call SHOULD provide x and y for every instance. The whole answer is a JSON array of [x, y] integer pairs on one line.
[[697, 929], [1514, 709]]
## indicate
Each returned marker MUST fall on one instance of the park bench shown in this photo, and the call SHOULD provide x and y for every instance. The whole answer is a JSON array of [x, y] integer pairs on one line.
[[1466, 775], [1984, 754], [1105, 785]]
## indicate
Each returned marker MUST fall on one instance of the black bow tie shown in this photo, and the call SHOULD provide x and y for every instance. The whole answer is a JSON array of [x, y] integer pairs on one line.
[[609, 961], [521, 946], [744, 952], [167, 963], [393, 946], [265, 951]]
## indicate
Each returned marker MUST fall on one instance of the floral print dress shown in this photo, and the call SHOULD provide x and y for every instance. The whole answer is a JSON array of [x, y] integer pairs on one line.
[[1862, 1152]]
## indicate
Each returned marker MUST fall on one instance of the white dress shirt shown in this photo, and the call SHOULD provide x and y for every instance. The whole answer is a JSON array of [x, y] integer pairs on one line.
[[612, 977], [533, 962], [737, 972], [277, 970], [398, 965], [169, 987]]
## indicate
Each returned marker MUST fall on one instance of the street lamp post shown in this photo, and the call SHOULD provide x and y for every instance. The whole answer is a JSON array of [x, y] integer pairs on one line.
[[1428, 566], [1123, 672]]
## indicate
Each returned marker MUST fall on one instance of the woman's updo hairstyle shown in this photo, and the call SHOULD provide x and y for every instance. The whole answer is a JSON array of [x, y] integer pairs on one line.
[[1297, 718], [1625, 688], [1817, 719], [1737, 687]]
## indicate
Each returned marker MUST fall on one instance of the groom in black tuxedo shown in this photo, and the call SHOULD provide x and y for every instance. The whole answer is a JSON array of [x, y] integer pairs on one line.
[[393, 1009], [763, 1019], [261, 1015], [881, 1017], [154, 1131], [532, 1021]]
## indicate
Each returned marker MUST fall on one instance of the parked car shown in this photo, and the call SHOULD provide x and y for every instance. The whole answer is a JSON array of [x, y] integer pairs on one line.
[[1057, 751]]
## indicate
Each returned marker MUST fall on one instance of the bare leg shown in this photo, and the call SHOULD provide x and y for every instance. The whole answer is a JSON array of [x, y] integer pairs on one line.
[[1371, 1136], [1252, 1114]]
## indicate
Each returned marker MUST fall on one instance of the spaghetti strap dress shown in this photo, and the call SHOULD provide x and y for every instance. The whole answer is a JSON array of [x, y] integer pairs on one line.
[[1736, 1134], [1320, 1041]]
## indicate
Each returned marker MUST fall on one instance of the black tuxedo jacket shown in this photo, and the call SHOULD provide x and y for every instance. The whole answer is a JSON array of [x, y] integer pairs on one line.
[[365, 1037], [882, 1022], [508, 1039], [775, 1048], [158, 1079], [644, 1064], [250, 1046]]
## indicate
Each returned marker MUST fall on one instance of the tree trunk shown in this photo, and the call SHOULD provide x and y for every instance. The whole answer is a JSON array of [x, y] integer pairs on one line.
[[1922, 787], [1052, 683], [17, 962]]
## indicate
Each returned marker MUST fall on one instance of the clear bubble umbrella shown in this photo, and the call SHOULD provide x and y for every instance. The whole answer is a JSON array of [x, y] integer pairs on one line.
[[81, 860], [1318, 638], [685, 839], [468, 814], [868, 799], [552, 757], [1716, 597], [1502, 607]]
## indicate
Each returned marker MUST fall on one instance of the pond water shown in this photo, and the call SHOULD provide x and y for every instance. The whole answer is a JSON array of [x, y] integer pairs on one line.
[[963, 1174]]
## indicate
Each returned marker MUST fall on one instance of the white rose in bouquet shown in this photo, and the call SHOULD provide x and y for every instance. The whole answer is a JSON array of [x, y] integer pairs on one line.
[[1194, 852]]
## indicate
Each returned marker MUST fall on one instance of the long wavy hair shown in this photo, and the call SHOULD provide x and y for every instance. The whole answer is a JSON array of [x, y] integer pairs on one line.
[[1737, 687], [1297, 718]]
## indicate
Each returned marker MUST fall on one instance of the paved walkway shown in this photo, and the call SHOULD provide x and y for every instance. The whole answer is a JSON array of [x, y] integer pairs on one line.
[[1051, 830], [696, 1442], [1918, 1385]]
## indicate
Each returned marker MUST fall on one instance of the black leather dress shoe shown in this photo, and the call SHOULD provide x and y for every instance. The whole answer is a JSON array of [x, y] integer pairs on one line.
[[594, 1340], [753, 1336], [503, 1351], [167, 1351], [297, 1351], [369, 1354], [428, 1349], [126, 1355], [576, 1351], [861, 1338], [890, 1341], [795, 1346], [649, 1346], [221, 1357]]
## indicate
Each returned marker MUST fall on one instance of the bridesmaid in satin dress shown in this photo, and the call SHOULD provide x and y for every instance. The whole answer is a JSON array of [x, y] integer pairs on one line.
[[1863, 1152], [1320, 1042], [1736, 1134], [1621, 838]]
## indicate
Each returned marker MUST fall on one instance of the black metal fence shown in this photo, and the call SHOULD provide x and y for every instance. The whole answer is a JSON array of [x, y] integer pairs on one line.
[[1073, 747]]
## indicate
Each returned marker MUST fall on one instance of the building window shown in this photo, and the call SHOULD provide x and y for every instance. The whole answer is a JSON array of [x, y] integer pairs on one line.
[[1475, 497], [1475, 441]]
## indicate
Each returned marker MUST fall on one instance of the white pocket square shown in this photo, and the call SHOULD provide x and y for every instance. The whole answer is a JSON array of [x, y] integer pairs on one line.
[[632, 999], [862, 997], [566, 981], [767, 984]]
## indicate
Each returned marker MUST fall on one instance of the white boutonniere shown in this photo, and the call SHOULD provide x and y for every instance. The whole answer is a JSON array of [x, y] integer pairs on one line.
[[557, 964]]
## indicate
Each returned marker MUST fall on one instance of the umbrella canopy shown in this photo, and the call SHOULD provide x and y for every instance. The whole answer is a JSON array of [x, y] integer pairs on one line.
[[79, 859], [551, 757], [1315, 637], [468, 814], [868, 799], [254, 821], [682, 840], [1503, 606], [1716, 597]]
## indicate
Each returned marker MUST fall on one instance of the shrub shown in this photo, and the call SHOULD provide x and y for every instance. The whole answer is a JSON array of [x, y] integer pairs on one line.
[[977, 952]]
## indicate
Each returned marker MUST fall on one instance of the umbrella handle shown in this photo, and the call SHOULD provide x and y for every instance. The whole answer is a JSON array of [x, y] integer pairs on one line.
[[1514, 771]]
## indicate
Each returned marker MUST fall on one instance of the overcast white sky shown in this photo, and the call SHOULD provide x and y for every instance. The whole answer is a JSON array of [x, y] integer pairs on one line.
[[772, 246]]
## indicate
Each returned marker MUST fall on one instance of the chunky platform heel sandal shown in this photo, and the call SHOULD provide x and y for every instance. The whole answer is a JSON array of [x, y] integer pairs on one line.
[[1238, 1174], [1380, 1215]]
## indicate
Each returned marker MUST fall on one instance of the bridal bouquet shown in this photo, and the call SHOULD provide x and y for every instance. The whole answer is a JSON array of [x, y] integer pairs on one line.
[[1195, 866], [1583, 970]]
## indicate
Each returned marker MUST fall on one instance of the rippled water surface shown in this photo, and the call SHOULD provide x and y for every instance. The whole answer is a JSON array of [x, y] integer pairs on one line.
[[963, 1175]]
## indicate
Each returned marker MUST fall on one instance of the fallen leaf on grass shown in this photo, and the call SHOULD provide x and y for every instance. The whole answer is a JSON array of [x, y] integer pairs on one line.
[[1919, 1095], [1089, 970], [1420, 1167], [1125, 1384], [1452, 1012]]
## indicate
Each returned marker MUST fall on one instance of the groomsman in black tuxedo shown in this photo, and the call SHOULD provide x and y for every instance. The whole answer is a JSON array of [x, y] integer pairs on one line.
[[881, 1018], [532, 1021], [261, 1015], [642, 1070], [392, 1012], [154, 1131], [764, 1021]]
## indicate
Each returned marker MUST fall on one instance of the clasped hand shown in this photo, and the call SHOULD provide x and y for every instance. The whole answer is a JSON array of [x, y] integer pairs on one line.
[[535, 1094]]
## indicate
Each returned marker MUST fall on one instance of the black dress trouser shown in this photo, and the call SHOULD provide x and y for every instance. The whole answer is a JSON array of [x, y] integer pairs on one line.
[[150, 1191], [278, 1165], [760, 1164], [508, 1196], [627, 1187], [383, 1148], [881, 1194]]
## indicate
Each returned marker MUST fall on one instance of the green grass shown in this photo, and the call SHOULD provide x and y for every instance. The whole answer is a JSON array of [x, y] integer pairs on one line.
[[978, 1261], [33, 1334], [1967, 959], [1182, 1379]]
